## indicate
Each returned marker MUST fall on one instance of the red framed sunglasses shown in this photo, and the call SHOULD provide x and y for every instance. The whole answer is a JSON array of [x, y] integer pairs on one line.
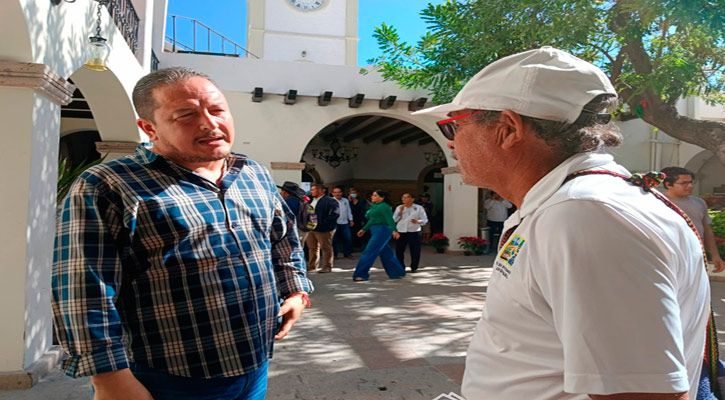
[[448, 126]]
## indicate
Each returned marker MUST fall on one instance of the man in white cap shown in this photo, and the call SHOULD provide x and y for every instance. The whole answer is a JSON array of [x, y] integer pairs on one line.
[[599, 288]]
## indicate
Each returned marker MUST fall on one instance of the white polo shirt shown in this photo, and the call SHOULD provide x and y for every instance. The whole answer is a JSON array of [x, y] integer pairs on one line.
[[600, 290]]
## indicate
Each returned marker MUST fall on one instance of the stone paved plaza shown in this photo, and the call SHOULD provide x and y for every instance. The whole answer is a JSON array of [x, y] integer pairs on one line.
[[380, 339]]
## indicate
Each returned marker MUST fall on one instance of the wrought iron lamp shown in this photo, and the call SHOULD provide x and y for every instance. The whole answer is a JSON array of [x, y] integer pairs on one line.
[[336, 154], [434, 157], [98, 48]]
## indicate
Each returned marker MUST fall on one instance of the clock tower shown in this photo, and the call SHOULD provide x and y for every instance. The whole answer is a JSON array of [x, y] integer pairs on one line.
[[316, 31]]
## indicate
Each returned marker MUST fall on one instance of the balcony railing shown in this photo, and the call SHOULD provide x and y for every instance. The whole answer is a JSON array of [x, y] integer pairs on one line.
[[154, 61], [126, 19], [201, 39]]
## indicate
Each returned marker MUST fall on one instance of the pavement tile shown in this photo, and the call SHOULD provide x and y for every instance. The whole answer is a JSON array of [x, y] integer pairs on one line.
[[382, 339]]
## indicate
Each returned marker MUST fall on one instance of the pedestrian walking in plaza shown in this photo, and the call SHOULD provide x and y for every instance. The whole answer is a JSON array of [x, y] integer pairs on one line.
[[169, 263], [327, 210], [382, 228], [496, 213], [294, 196], [599, 289], [678, 185], [409, 219], [427, 229], [359, 208], [343, 238]]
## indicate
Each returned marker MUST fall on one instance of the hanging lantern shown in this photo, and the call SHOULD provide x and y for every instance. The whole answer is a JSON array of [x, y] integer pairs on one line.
[[98, 49]]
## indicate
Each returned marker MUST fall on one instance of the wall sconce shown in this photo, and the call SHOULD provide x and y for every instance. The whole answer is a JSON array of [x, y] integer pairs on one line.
[[417, 104], [290, 97], [257, 95], [98, 49], [356, 100], [324, 99], [434, 157], [387, 102], [336, 154]]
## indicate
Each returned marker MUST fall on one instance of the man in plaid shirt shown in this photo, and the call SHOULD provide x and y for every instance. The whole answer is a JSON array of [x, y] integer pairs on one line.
[[169, 263]]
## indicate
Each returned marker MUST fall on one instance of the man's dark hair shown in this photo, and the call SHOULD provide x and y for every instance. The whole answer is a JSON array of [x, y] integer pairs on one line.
[[319, 186], [674, 173], [590, 132], [143, 99]]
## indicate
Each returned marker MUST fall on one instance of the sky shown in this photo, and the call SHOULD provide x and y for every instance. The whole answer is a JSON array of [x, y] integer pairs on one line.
[[231, 20]]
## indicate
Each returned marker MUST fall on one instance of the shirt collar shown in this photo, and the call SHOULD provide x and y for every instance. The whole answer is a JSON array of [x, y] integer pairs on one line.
[[551, 182]]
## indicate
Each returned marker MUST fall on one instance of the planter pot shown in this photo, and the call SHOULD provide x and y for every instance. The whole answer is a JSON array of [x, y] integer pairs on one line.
[[440, 249], [467, 253]]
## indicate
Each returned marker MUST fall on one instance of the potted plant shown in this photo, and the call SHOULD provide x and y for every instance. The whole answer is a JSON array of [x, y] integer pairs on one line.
[[473, 245], [718, 228], [440, 242]]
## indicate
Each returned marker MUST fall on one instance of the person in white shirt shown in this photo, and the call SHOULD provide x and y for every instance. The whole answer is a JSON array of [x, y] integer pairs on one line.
[[678, 188], [343, 236], [496, 213], [409, 218], [599, 290]]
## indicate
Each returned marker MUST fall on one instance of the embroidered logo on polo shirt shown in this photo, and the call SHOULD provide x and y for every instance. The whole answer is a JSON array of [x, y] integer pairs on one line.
[[507, 257]]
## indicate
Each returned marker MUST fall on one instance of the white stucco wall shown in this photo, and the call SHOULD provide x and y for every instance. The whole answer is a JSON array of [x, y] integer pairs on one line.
[[281, 16], [318, 50], [55, 36]]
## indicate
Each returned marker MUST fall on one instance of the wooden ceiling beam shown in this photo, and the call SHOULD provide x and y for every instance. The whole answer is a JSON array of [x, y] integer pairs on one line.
[[377, 126], [345, 126], [413, 138], [400, 135], [385, 133]]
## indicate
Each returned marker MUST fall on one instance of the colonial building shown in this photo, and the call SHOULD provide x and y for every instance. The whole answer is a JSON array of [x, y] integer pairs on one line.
[[300, 103]]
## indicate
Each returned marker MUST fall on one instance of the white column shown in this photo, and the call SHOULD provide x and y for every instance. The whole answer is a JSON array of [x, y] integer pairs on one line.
[[286, 171], [30, 96], [460, 207]]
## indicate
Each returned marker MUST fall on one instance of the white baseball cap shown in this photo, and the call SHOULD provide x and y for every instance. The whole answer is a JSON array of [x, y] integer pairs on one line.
[[545, 83]]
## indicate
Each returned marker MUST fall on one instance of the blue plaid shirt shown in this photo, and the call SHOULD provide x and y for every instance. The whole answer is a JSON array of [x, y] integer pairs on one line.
[[156, 265]]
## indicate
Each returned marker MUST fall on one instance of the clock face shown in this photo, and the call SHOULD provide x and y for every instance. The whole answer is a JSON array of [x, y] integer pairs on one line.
[[307, 5]]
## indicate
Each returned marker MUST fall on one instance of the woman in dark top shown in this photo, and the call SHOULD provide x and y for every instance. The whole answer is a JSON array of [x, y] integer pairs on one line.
[[381, 226]]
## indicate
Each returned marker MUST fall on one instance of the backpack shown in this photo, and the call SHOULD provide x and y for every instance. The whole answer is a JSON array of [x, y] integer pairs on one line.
[[306, 217]]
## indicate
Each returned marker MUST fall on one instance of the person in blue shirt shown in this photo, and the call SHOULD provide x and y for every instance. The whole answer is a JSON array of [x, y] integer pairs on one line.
[[170, 263]]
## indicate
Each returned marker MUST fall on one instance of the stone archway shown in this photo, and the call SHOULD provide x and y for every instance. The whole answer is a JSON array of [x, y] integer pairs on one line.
[[708, 171], [371, 151]]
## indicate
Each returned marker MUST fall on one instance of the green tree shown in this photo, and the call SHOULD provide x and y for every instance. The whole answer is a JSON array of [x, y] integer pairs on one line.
[[655, 51]]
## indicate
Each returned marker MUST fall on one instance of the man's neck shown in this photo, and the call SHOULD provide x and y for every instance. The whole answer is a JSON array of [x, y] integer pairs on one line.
[[671, 195], [525, 172], [408, 205]]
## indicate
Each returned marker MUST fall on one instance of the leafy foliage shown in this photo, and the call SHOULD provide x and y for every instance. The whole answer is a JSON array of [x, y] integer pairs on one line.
[[474, 244], [718, 228], [683, 43], [67, 175], [439, 240]]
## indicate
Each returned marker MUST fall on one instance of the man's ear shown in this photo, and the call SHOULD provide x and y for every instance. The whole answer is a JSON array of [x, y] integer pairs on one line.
[[512, 128], [148, 128]]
